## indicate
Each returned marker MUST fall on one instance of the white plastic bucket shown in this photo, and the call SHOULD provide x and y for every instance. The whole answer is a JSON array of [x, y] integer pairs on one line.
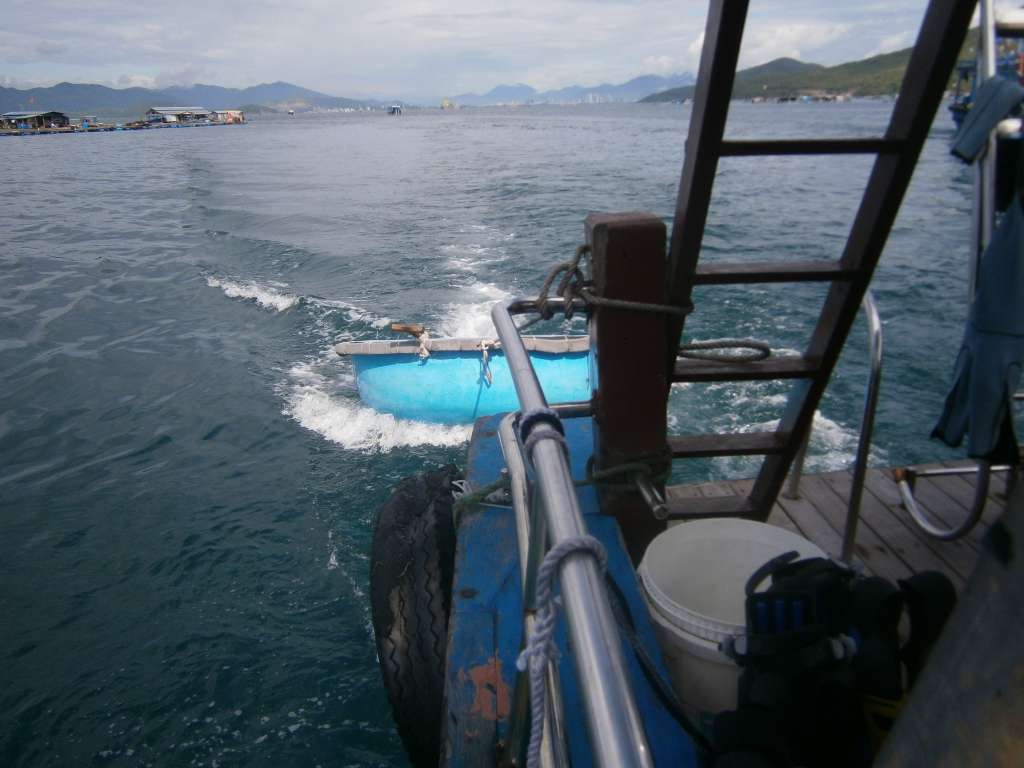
[[694, 577]]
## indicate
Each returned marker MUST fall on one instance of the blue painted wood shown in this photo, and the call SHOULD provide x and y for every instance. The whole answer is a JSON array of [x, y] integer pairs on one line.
[[451, 388], [486, 622]]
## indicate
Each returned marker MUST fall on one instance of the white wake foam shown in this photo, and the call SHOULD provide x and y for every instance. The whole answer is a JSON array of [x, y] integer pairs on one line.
[[322, 407], [472, 318], [266, 296]]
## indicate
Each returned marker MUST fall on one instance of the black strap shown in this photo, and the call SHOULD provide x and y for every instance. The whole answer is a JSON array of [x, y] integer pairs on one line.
[[662, 688]]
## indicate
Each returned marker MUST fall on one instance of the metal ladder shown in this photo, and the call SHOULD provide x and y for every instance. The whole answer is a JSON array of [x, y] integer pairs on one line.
[[941, 35]]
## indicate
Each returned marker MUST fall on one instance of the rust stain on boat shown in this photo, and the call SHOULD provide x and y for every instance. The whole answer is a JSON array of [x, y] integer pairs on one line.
[[491, 696]]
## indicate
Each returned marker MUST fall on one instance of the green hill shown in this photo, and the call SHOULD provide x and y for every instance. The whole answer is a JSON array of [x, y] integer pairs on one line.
[[874, 76]]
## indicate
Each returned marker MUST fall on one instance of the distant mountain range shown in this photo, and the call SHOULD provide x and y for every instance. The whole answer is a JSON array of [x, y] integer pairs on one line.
[[76, 99], [520, 93], [873, 76]]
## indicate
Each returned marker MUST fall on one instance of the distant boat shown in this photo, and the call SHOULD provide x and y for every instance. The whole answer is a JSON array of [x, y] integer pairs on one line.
[[395, 109], [291, 112]]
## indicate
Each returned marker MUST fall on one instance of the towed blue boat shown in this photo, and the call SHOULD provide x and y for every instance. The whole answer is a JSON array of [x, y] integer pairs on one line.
[[456, 381]]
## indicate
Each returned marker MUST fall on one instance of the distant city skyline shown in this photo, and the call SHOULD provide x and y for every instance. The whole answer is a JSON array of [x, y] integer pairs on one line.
[[414, 50]]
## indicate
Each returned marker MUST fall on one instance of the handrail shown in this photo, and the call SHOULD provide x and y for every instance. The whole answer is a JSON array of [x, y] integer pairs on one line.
[[983, 207], [867, 424], [613, 721], [907, 477], [554, 752]]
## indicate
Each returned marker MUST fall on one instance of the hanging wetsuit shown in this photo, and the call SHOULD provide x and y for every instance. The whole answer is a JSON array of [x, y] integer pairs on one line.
[[988, 368]]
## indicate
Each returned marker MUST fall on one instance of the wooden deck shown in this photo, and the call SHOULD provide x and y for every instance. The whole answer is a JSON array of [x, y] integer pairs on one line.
[[888, 543]]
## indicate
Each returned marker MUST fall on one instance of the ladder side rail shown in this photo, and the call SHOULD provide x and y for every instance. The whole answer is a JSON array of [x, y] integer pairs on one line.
[[935, 52], [722, 37]]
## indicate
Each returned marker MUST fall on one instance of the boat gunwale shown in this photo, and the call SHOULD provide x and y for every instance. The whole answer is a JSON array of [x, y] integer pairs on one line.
[[545, 344]]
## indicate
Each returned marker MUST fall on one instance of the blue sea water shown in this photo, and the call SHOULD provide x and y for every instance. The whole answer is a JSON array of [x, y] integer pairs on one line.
[[187, 477]]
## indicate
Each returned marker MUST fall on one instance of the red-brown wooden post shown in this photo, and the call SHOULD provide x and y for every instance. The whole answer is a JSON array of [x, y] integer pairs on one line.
[[630, 421]]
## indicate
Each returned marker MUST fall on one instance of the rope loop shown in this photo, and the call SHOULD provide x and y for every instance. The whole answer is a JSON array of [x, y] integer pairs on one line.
[[529, 419], [656, 470], [535, 437], [716, 350], [574, 285], [540, 648]]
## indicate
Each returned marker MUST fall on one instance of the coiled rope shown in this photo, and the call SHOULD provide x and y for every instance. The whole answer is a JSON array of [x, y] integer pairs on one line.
[[574, 285]]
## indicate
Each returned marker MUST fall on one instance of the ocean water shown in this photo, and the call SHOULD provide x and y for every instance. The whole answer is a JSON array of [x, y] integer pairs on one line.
[[187, 477]]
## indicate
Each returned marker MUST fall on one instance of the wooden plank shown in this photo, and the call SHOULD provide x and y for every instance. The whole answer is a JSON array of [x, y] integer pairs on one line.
[[868, 146], [915, 548], [813, 525], [769, 369], [724, 506], [630, 407], [734, 444], [778, 516], [870, 547], [998, 491], [745, 272], [962, 488], [727, 489], [957, 554], [945, 508], [683, 492], [967, 707]]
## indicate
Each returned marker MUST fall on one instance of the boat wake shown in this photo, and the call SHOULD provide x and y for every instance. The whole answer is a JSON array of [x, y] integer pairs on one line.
[[329, 405], [472, 318], [270, 297]]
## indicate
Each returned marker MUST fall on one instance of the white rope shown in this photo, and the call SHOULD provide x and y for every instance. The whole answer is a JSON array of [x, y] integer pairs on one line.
[[485, 345], [540, 648]]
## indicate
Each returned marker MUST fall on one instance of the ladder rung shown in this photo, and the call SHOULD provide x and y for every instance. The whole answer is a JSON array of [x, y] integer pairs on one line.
[[712, 506], [728, 444], [731, 273], [811, 147], [770, 369]]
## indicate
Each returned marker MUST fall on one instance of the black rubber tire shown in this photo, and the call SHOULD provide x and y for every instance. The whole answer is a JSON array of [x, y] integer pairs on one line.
[[411, 564]]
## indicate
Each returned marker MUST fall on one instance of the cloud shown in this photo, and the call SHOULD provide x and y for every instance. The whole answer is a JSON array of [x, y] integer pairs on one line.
[[661, 65], [893, 43], [794, 40], [48, 48], [136, 81], [188, 75], [408, 48]]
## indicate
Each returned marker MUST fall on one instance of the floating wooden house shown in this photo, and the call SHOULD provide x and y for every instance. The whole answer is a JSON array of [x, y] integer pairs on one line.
[[177, 115], [33, 120]]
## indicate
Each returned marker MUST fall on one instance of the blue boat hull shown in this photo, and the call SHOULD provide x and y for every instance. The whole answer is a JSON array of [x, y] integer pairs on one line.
[[452, 387]]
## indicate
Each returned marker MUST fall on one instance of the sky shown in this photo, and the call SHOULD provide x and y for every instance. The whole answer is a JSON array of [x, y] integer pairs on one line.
[[415, 49]]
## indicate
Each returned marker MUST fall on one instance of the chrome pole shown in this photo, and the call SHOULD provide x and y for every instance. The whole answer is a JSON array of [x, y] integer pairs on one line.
[[553, 752], [983, 213], [616, 731], [905, 482], [867, 424]]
